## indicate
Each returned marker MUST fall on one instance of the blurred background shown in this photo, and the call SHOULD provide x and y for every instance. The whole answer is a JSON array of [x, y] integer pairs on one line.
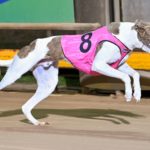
[[72, 11]]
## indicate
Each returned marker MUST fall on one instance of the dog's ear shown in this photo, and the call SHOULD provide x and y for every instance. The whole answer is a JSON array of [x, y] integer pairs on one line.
[[142, 27], [139, 26]]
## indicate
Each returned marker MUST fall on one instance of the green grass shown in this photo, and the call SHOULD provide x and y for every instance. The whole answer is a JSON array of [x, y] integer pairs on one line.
[[29, 79], [63, 80], [68, 81]]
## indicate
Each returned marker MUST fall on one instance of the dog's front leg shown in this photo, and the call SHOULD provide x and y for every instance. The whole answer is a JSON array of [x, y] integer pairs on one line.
[[109, 52], [136, 80], [105, 69]]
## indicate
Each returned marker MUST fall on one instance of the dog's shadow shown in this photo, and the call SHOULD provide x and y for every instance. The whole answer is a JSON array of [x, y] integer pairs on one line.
[[111, 115]]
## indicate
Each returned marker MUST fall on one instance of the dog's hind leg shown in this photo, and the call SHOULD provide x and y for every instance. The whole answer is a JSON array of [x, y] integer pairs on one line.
[[46, 81], [26, 58]]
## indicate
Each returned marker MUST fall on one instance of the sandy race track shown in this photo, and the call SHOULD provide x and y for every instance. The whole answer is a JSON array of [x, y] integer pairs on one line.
[[77, 122]]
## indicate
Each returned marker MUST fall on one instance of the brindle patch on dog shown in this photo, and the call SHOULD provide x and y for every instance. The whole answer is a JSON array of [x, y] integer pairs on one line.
[[26, 50], [55, 52], [114, 27]]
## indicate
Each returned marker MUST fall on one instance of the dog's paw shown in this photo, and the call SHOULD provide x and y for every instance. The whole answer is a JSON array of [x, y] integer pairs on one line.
[[137, 96], [42, 123], [128, 98]]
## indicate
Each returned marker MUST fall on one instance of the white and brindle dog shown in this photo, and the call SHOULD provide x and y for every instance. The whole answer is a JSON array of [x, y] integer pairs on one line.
[[42, 55]]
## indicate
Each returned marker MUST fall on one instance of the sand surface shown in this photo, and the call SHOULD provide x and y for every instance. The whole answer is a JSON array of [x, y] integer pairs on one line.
[[77, 122]]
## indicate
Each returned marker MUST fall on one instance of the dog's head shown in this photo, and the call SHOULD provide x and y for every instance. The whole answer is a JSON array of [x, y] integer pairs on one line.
[[143, 31]]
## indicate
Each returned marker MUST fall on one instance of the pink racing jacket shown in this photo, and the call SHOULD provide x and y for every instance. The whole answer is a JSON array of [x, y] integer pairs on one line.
[[80, 50]]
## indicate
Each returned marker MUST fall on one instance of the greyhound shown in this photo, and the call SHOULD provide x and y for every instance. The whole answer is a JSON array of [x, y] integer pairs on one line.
[[103, 51]]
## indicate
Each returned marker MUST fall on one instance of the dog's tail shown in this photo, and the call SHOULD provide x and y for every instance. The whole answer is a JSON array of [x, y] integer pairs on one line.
[[25, 59]]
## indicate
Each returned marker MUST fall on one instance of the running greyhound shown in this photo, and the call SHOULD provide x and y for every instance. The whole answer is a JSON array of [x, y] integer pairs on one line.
[[103, 51]]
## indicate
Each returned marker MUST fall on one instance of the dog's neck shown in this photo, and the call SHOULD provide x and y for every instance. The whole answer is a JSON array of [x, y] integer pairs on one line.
[[128, 36]]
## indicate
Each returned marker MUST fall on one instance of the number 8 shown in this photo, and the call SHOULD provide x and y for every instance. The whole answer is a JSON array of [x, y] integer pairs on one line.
[[86, 40]]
